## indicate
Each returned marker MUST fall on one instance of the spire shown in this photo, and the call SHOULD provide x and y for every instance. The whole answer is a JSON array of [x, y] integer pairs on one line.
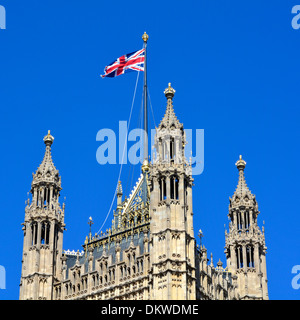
[[119, 189], [119, 195], [170, 138], [242, 195], [245, 244], [47, 171], [220, 263], [43, 229], [90, 223], [170, 120], [242, 188]]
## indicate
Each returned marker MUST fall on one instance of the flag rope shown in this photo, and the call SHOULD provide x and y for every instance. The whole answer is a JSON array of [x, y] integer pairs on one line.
[[113, 200], [151, 108], [129, 184]]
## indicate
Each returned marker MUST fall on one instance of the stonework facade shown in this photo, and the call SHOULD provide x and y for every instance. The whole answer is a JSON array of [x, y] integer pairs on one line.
[[150, 251]]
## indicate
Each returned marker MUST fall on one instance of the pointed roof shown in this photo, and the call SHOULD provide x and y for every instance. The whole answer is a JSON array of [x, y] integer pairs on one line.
[[242, 188], [119, 188], [170, 119], [47, 163], [47, 171], [242, 196]]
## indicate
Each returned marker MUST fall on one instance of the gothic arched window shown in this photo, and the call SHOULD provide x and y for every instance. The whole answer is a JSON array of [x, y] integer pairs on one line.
[[162, 189], [34, 227], [246, 219], [250, 256], [174, 187], [239, 257], [45, 232]]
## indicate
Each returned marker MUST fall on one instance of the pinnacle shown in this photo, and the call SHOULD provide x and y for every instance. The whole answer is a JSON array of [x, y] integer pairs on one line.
[[119, 188], [242, 188], [242, 185], [170, 118], [47, 163], [47, 170]]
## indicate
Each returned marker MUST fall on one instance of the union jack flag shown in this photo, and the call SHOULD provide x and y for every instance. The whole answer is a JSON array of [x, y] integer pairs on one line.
[[133, 61]]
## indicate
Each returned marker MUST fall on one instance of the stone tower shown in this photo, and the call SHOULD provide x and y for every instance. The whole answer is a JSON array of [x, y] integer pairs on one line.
[[43, 231], [245, 243], [172, 236]]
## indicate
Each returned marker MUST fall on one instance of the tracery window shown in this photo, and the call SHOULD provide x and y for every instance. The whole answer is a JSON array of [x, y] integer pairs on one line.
[[174, 184]]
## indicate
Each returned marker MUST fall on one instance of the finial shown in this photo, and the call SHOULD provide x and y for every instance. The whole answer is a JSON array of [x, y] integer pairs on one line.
[[77, 257], [48, 139], [241, 164], [145, 37], [169, 92], [220, 263], [145, 166], [119, 188], [90, 223], [200, 235]]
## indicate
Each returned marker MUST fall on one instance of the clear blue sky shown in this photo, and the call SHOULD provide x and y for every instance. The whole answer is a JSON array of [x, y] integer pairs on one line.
[[235, 68]]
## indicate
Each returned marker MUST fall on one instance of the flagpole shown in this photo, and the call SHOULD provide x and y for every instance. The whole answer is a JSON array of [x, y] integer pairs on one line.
[[145, 165]]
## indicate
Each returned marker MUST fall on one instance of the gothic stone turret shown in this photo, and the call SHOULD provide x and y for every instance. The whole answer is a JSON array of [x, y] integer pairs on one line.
[[245, 243], [150, 251], [43, 231], [171, 227]]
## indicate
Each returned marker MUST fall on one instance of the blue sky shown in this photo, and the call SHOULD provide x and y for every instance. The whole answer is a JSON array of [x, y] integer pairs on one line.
[[235, 68]]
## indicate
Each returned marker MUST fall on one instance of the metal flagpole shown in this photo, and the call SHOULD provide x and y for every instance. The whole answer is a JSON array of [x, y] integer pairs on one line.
[[145, 165]]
